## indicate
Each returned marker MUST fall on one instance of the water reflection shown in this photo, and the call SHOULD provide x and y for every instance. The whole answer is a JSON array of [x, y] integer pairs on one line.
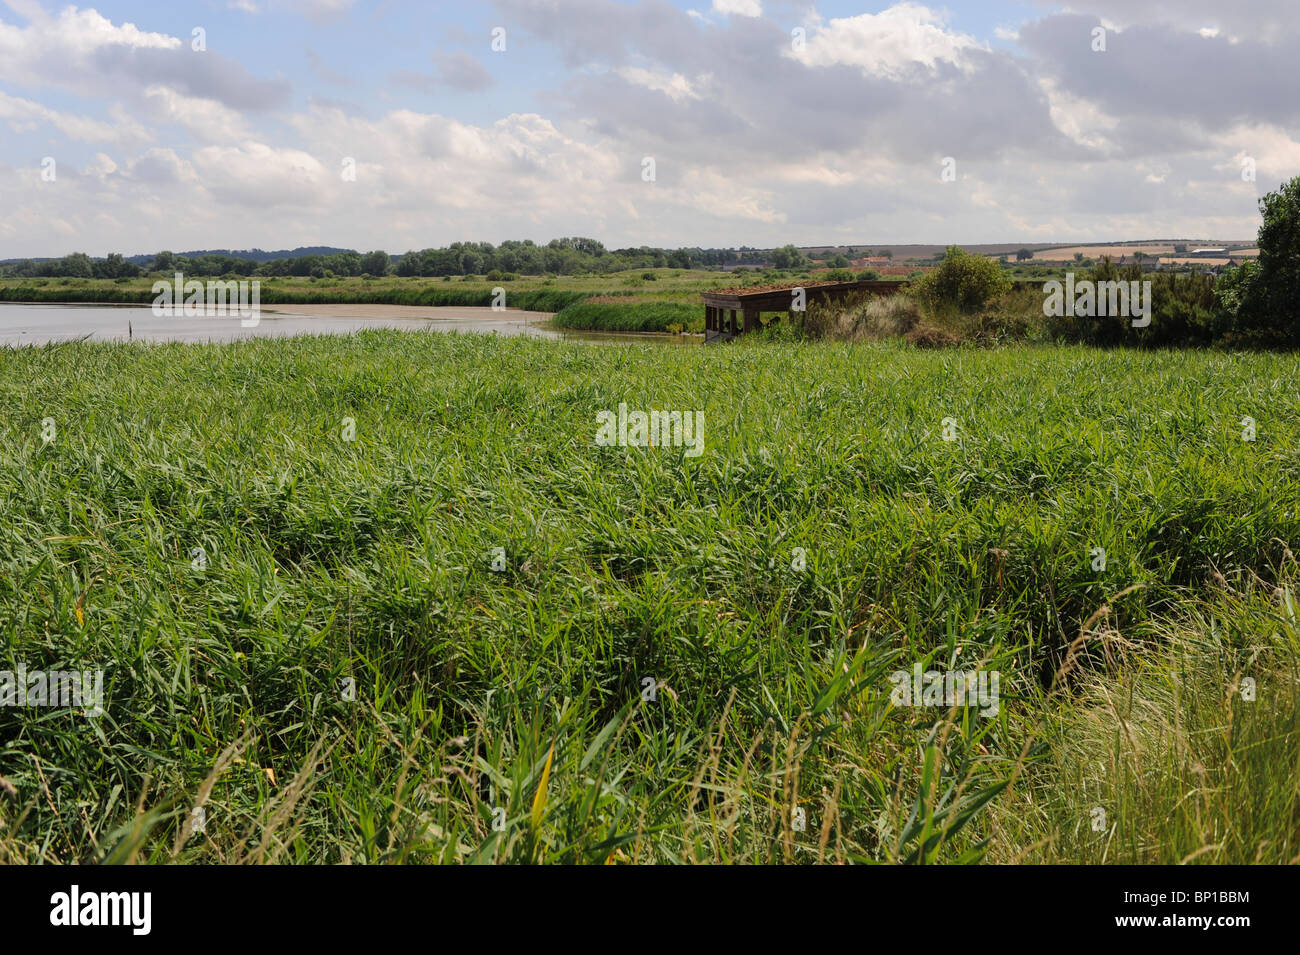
[[22, 324]]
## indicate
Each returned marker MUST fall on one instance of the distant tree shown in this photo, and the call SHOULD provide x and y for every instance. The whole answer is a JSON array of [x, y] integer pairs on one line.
[[376, 263], [78, 265], [164, 262], [409, 264], [838, 261], [342, 263], [1263, 298], [115, 266], [1022, 254], [471, 262], [580, 245], [788, 257]]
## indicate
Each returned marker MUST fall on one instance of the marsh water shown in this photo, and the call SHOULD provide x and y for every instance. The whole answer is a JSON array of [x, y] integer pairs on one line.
[[23, 324]]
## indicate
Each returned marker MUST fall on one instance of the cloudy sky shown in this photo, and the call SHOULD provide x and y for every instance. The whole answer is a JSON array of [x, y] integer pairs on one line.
[[139, 126]]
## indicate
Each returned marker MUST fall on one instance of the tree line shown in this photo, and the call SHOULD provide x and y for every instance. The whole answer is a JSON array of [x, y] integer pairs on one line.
[[566, 256]]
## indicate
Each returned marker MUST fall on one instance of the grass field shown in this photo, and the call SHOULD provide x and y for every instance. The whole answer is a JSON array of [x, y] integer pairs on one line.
[[675, 658]]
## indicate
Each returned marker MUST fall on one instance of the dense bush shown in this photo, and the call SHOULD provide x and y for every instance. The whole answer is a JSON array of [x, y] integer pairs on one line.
[[962, 281], [1261, 300]]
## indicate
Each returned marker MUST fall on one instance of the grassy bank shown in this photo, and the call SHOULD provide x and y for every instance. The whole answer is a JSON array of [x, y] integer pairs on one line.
[[344, 676], [521, 291], [537, 299]]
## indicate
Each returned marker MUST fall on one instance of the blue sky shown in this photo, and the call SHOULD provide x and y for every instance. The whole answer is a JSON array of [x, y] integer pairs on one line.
[[757, 137]]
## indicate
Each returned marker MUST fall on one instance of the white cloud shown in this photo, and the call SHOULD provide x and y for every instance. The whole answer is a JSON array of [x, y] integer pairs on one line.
[[27, 52], [1080, 119], [674, 85], [23, 115], [888, 43], [205, 119], [739, 8], [267, 177]]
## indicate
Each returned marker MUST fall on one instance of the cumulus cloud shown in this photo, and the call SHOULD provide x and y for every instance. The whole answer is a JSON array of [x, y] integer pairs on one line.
[[21, 115], [756, 139], [739, 8], [889, 43], [85, 52]]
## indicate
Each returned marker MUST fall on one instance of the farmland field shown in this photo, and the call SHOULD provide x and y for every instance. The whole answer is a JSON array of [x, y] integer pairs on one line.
[[384, 598]]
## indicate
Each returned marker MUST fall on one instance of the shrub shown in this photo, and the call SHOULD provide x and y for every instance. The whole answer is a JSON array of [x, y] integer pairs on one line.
[[1262, 300], [962, 281], [868, 275], [866, 320], [932, 336]]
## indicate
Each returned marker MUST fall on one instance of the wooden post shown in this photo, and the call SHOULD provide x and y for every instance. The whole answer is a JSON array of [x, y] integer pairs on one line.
[[731, 321], [751, 319]]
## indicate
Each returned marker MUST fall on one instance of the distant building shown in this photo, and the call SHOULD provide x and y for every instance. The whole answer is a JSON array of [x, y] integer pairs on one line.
[[870, 260]]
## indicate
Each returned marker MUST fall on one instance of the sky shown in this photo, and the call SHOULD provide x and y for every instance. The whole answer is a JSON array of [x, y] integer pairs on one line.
[[134, 127]]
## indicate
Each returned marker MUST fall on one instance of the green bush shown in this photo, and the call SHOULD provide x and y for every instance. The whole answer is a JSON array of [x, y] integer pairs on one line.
[[962, 281], [1262, 300]]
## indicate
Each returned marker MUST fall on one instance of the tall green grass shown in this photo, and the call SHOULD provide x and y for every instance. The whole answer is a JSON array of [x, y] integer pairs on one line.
[[503, 716], [636, 316]]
